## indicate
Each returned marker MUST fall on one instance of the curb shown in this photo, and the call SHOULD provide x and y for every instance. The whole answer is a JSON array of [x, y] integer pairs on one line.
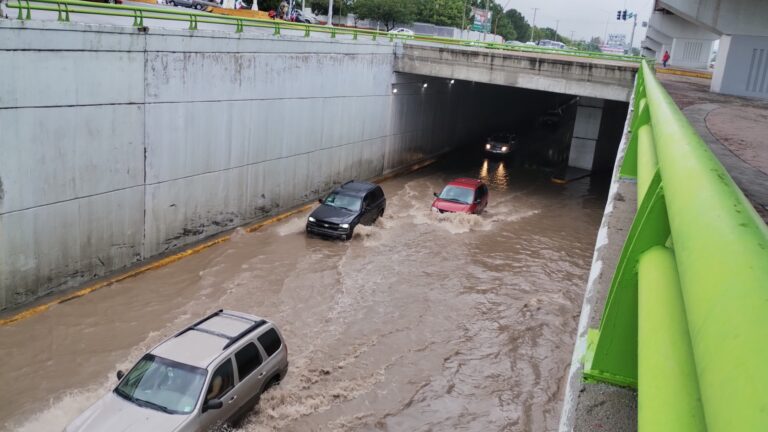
[[682, 72]]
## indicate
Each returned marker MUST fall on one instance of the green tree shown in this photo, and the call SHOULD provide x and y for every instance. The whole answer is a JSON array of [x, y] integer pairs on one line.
[[439, 12], [388, 12], [320, 7], [520, 24]]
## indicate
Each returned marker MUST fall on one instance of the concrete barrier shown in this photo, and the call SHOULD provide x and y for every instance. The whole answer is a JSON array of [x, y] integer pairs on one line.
[[119, 145]]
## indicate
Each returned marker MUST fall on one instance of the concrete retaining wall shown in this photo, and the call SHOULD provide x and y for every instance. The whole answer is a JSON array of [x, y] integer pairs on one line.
[[118, 146]]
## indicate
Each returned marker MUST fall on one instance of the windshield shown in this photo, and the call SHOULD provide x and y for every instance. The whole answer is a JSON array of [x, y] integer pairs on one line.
[[163, 385], [343, 201], [457, 194], [500, 137]]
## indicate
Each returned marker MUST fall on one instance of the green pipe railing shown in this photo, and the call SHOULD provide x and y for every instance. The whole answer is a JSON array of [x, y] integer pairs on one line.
[[686, 318], [66, 8]]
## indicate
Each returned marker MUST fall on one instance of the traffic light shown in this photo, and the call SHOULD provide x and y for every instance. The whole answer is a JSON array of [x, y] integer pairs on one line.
[[624, 15], [618, 15]]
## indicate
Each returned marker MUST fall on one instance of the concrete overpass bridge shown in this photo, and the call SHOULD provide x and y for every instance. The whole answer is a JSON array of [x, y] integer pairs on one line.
[[551, 72], [689, 28]]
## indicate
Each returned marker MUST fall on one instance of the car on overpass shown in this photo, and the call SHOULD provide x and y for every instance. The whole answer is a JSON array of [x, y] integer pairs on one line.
[[352, 203], [462, 195], [402, 31], [194, 4], [501, 144], [207, 375]]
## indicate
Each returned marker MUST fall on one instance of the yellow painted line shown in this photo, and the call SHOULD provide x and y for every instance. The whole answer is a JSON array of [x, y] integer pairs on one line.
[[692, 74], [162, 262]]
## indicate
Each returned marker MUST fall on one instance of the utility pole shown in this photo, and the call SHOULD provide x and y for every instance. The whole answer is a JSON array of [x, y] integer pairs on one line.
[[632, 39], [557, 27], [485, 23], [463, 18], [330, 13], [533, 25], [572, 35]]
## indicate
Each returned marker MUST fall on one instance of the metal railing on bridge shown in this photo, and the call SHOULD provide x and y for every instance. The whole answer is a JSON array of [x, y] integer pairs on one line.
[[66, 8], [686, 318]]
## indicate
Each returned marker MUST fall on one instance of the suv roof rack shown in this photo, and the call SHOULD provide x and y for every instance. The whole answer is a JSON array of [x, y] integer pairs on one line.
[[231, 339]]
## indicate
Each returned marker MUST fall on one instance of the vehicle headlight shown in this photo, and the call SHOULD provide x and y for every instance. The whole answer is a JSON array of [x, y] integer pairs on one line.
[[435, 210], [504, 148], [344, 225], [311, 219], [487, 146]]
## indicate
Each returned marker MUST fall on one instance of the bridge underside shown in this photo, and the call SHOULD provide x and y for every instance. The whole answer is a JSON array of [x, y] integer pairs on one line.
[[602, 79]]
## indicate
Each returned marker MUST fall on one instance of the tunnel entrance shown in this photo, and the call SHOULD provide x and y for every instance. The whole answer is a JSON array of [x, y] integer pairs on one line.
[[566, 135]]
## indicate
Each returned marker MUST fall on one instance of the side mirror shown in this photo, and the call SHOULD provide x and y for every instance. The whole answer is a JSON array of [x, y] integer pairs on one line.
[[213, 404], [320, 200], [120, 375], [437, 195]]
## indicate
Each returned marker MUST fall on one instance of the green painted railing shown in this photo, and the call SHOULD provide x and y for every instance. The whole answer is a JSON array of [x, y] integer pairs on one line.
[[686, 319], [66, 8]]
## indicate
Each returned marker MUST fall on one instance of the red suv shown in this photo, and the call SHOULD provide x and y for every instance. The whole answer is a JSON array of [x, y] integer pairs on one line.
[[463, 195]]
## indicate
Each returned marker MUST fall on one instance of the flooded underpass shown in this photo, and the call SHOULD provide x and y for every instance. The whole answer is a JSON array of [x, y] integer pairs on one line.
[[421, 322]]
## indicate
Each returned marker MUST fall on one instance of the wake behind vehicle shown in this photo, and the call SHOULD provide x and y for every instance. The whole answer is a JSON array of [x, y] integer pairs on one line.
[[211, 373], [353, 203], [462, 195], [501, 144]]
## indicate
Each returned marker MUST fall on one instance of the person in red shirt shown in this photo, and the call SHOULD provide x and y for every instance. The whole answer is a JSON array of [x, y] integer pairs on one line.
[[665, 58]]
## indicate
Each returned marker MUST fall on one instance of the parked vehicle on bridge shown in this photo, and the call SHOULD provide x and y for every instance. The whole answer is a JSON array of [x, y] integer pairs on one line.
[[462, 195], [403, 32], [306, 18], [551, 44], [211, 373], [353, 203], [501, 143], [195, 4]]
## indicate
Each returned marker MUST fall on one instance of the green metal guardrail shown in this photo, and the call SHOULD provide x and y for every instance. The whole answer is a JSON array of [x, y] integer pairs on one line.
[[65, 8], [686, 319]]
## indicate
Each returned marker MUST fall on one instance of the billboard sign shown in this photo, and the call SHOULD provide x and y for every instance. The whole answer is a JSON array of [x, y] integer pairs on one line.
[[481, 20]]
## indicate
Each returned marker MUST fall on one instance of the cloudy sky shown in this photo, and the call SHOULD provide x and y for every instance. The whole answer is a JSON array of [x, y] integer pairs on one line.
[[585, 18]]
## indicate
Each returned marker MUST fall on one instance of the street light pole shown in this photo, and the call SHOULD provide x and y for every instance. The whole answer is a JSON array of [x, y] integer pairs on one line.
[[632, 39], [557, 27], [330, 13], [486, 23], [533, 25]]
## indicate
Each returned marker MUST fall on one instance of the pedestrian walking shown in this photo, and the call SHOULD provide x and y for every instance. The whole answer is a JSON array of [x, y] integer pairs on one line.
[[665, 58], [282, 10]]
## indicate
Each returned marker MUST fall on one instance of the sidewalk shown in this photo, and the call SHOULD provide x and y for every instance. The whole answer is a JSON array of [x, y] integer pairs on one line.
[[735, 128]]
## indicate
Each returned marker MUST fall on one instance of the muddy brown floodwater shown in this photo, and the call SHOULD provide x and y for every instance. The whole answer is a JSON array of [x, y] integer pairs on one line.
[[422, 322]]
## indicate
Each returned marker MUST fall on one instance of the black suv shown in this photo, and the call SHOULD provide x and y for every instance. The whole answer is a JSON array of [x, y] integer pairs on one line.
[[350, 204]]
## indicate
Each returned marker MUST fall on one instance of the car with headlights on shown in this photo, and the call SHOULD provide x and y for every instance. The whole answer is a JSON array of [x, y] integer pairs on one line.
[[462, 195], [501, 144], [208, 375], [353, 203]]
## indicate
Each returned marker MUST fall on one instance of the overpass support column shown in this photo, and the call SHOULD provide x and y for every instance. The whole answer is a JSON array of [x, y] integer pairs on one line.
[[742, 66], [586, 130]]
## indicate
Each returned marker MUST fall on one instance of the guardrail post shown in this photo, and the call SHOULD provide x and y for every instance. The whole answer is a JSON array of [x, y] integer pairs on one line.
[[354, 35], [138, 18], [65, 8], [612, 351], [239, 26], [277, 29], [333, 32], [21, 11], [374, 36], [306, 31], [192, 22]]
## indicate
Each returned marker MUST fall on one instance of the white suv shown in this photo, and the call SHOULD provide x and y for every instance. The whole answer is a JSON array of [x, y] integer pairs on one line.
[[208, 374]]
